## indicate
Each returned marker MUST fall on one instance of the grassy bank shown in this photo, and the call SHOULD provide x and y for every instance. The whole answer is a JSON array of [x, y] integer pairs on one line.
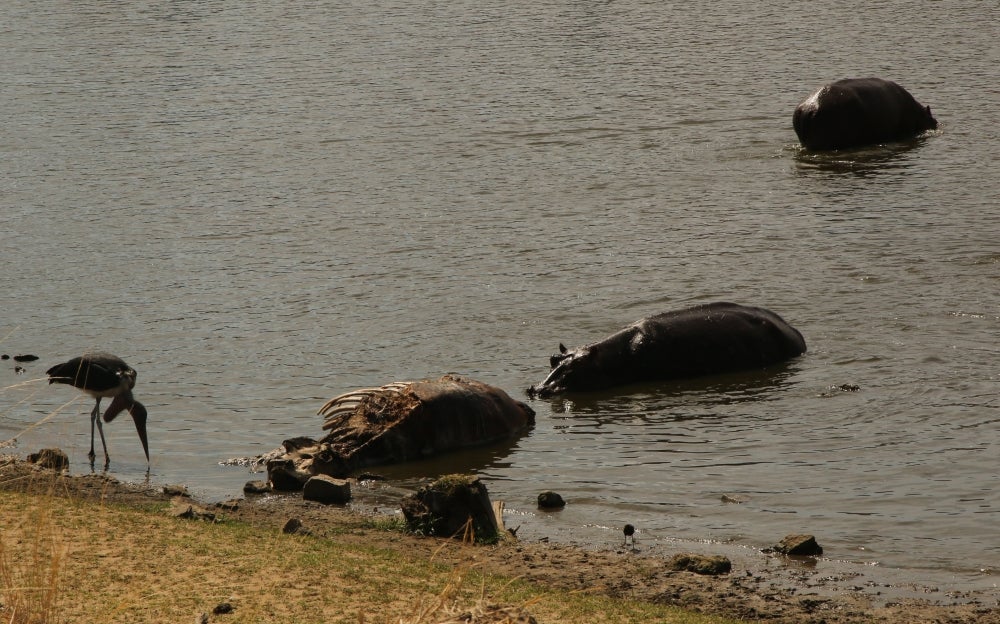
[[69, 560]]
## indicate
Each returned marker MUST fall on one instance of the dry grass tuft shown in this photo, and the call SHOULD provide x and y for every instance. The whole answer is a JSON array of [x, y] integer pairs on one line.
[[32, 557], [446, 607]]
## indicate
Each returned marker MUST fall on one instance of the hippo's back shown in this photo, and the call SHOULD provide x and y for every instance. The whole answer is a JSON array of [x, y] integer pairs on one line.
[[715, 338], [859, 111]]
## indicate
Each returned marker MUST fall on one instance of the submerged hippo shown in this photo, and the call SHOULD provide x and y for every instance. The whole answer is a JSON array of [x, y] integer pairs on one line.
[[859, 111], [703, 340]]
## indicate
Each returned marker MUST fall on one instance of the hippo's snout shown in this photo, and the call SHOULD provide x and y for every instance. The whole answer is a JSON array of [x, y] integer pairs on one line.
[[539, 392], [553, 384]]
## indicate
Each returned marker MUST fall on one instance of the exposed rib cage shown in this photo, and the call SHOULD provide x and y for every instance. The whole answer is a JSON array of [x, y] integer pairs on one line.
[[349, 401]]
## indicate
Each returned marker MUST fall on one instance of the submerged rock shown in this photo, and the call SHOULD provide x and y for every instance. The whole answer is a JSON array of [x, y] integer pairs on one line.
[[804, 545], [550, 500]]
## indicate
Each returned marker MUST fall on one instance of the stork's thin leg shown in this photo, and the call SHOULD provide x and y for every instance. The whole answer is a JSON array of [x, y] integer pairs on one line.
[[95, 419], [100, 430]]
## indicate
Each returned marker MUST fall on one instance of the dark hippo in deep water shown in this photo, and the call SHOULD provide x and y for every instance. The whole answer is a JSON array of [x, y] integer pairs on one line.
[[703, 340], [859, 111]]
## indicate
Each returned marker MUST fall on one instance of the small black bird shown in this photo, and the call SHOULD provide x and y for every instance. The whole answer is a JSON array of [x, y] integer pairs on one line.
[[629, 532], [104, 375]]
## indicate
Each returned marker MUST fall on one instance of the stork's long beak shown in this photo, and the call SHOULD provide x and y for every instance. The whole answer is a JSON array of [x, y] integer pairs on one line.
[[138, 412], [124, 402]]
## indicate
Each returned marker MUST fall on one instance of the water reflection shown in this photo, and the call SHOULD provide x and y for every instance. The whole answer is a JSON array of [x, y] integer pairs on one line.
[[493, 456], [713, 391], [862, 162]]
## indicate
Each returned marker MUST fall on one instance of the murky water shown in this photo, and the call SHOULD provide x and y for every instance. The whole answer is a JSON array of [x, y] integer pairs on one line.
[[261, 205]]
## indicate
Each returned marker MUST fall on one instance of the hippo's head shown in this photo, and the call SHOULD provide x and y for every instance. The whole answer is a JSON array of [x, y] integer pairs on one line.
[[570, 369]]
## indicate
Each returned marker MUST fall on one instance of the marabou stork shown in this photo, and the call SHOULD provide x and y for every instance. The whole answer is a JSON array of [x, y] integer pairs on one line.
[[104, 375]]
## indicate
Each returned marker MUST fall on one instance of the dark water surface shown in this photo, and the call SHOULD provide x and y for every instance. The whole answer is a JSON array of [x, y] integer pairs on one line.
[[260, 205]]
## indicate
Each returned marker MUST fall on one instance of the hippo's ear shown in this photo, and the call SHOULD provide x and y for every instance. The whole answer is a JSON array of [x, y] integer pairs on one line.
[[562, 348], [933, 123]]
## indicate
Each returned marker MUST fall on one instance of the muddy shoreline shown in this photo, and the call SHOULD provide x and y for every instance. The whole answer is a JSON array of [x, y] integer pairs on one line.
[[764, 587]]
